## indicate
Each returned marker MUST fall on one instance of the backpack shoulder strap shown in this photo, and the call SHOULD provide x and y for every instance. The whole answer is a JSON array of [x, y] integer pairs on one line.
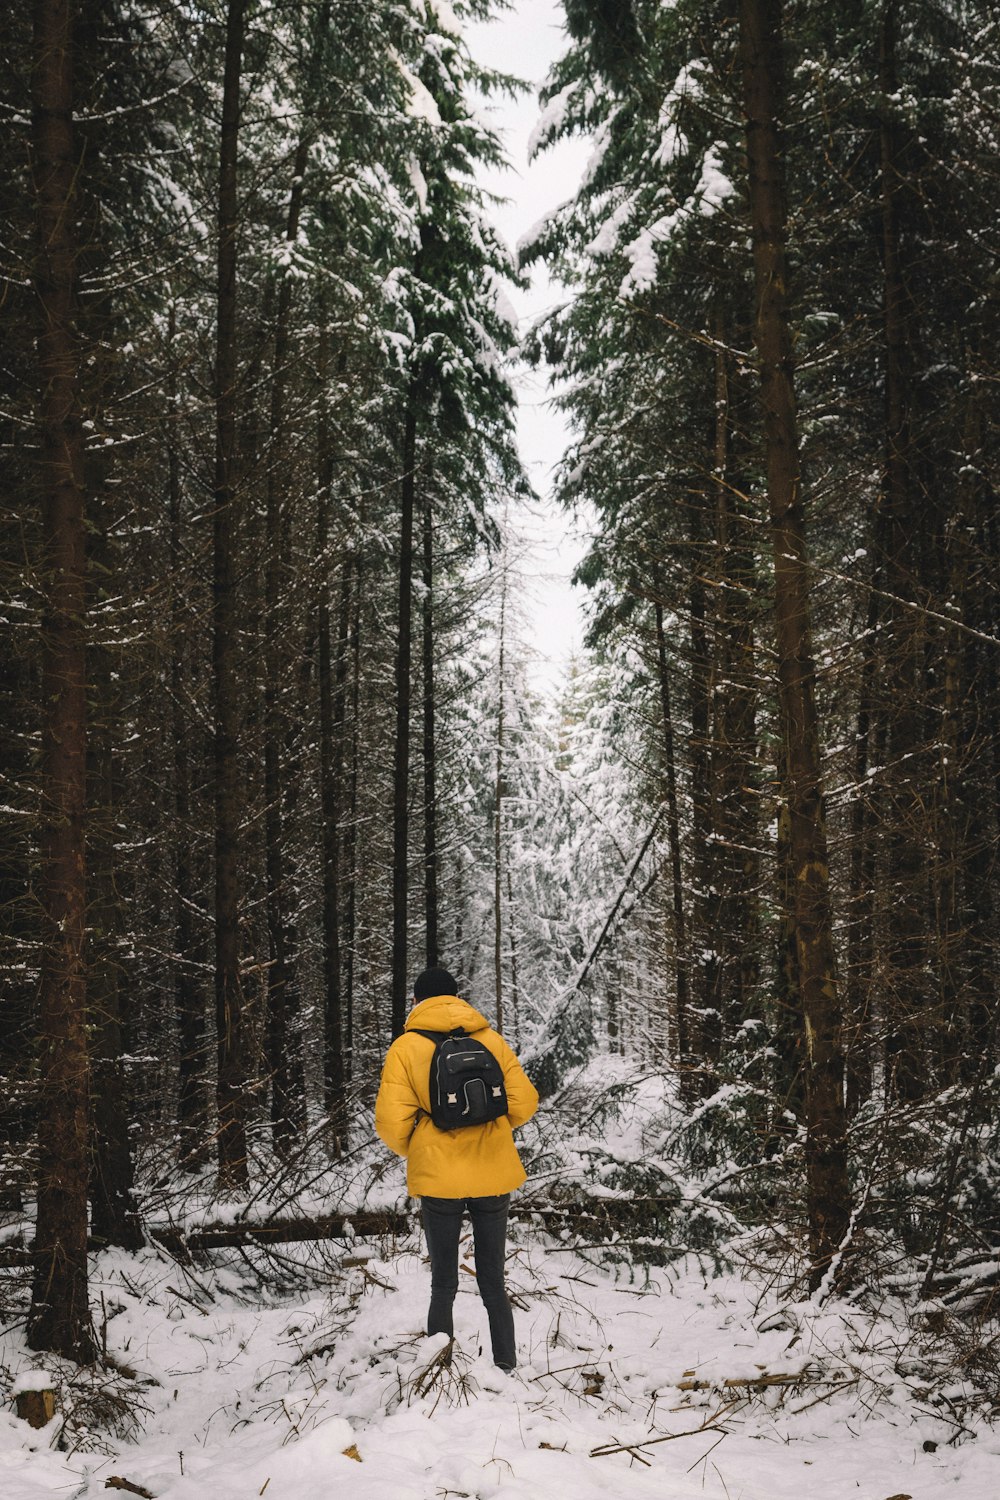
[[432, 1036]]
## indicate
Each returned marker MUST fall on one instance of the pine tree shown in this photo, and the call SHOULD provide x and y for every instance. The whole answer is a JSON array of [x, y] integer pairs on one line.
[[826, 1144], [59, 1319]]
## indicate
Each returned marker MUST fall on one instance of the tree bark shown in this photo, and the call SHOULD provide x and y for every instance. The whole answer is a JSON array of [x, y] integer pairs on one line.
[[860, 945], [331, 791], [788, 1102], [498, 796], [430, 747], [287, 1111], [515, 993], [828, 1191], [680, 1040], [114, 1217], [189, 942], [706, 1039], [59, 1317], [351, 833], [229, 1002], [331, 714], [734, 741], [908, 1055], [401, 762]]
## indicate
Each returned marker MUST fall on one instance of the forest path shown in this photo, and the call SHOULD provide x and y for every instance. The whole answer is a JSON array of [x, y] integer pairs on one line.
[[263, 1397]]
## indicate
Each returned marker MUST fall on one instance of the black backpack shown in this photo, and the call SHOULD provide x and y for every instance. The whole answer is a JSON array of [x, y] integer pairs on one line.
[[466, 1082]]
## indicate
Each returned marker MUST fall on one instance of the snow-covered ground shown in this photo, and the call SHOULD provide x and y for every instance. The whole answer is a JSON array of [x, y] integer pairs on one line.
[[304, 1395]]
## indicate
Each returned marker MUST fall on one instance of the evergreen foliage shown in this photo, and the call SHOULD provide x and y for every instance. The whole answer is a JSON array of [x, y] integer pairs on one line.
[[891, 207]]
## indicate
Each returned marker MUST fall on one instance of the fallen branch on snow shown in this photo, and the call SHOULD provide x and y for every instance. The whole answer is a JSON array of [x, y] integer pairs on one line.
[[667, 1437], [280, 1232], [760, 1382]]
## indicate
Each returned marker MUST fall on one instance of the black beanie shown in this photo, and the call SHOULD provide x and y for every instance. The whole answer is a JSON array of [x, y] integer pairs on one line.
[[434, 982]]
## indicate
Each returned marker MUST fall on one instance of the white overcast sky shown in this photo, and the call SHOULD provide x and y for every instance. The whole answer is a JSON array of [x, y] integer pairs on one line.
[[525, 41]]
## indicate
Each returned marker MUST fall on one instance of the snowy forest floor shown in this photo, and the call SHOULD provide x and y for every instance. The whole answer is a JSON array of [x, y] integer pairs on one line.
[[238, 1388]]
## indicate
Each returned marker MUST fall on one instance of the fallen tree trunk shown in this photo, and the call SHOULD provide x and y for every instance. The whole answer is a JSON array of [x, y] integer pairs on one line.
[[366, 1225], [603, 1213], [230, 1236], [280, 1231]]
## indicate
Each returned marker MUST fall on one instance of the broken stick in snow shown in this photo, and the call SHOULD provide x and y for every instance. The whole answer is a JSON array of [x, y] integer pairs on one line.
[[755, 1382], [667, 1437]]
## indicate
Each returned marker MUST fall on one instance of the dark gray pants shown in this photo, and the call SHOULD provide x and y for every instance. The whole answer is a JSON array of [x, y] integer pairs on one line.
[[442, 1229]]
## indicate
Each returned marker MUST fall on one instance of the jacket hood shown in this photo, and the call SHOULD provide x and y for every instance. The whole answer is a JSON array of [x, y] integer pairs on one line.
[[445, 1013]]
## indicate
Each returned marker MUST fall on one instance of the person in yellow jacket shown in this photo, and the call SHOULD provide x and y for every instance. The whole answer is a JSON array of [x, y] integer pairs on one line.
[[451, 1171]]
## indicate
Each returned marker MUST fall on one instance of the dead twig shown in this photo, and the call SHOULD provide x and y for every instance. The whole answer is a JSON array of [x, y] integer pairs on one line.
[[704, 1456], [566, 1369], [435, 1369], [189, 1300], [667, 1437], [826, 1396]]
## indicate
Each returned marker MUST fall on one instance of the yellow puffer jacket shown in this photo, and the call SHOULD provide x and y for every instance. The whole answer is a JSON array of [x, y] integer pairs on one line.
[[477, 1162]]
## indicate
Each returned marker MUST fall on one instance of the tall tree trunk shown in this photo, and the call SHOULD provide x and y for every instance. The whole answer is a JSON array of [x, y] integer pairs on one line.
[[733, 729], [351, 833], [59, 1317], [908, 1053], [229, 1001], [950, 837], [189, 960], [114, 1217], [430, 747], [331, 778], [680, 1040], [515, 994], [498, 796], [789, 1074], [401, 763], [706, 1040], [828, 1190], [734, 738], [287, 1112], [860, 946], [332, 699]]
